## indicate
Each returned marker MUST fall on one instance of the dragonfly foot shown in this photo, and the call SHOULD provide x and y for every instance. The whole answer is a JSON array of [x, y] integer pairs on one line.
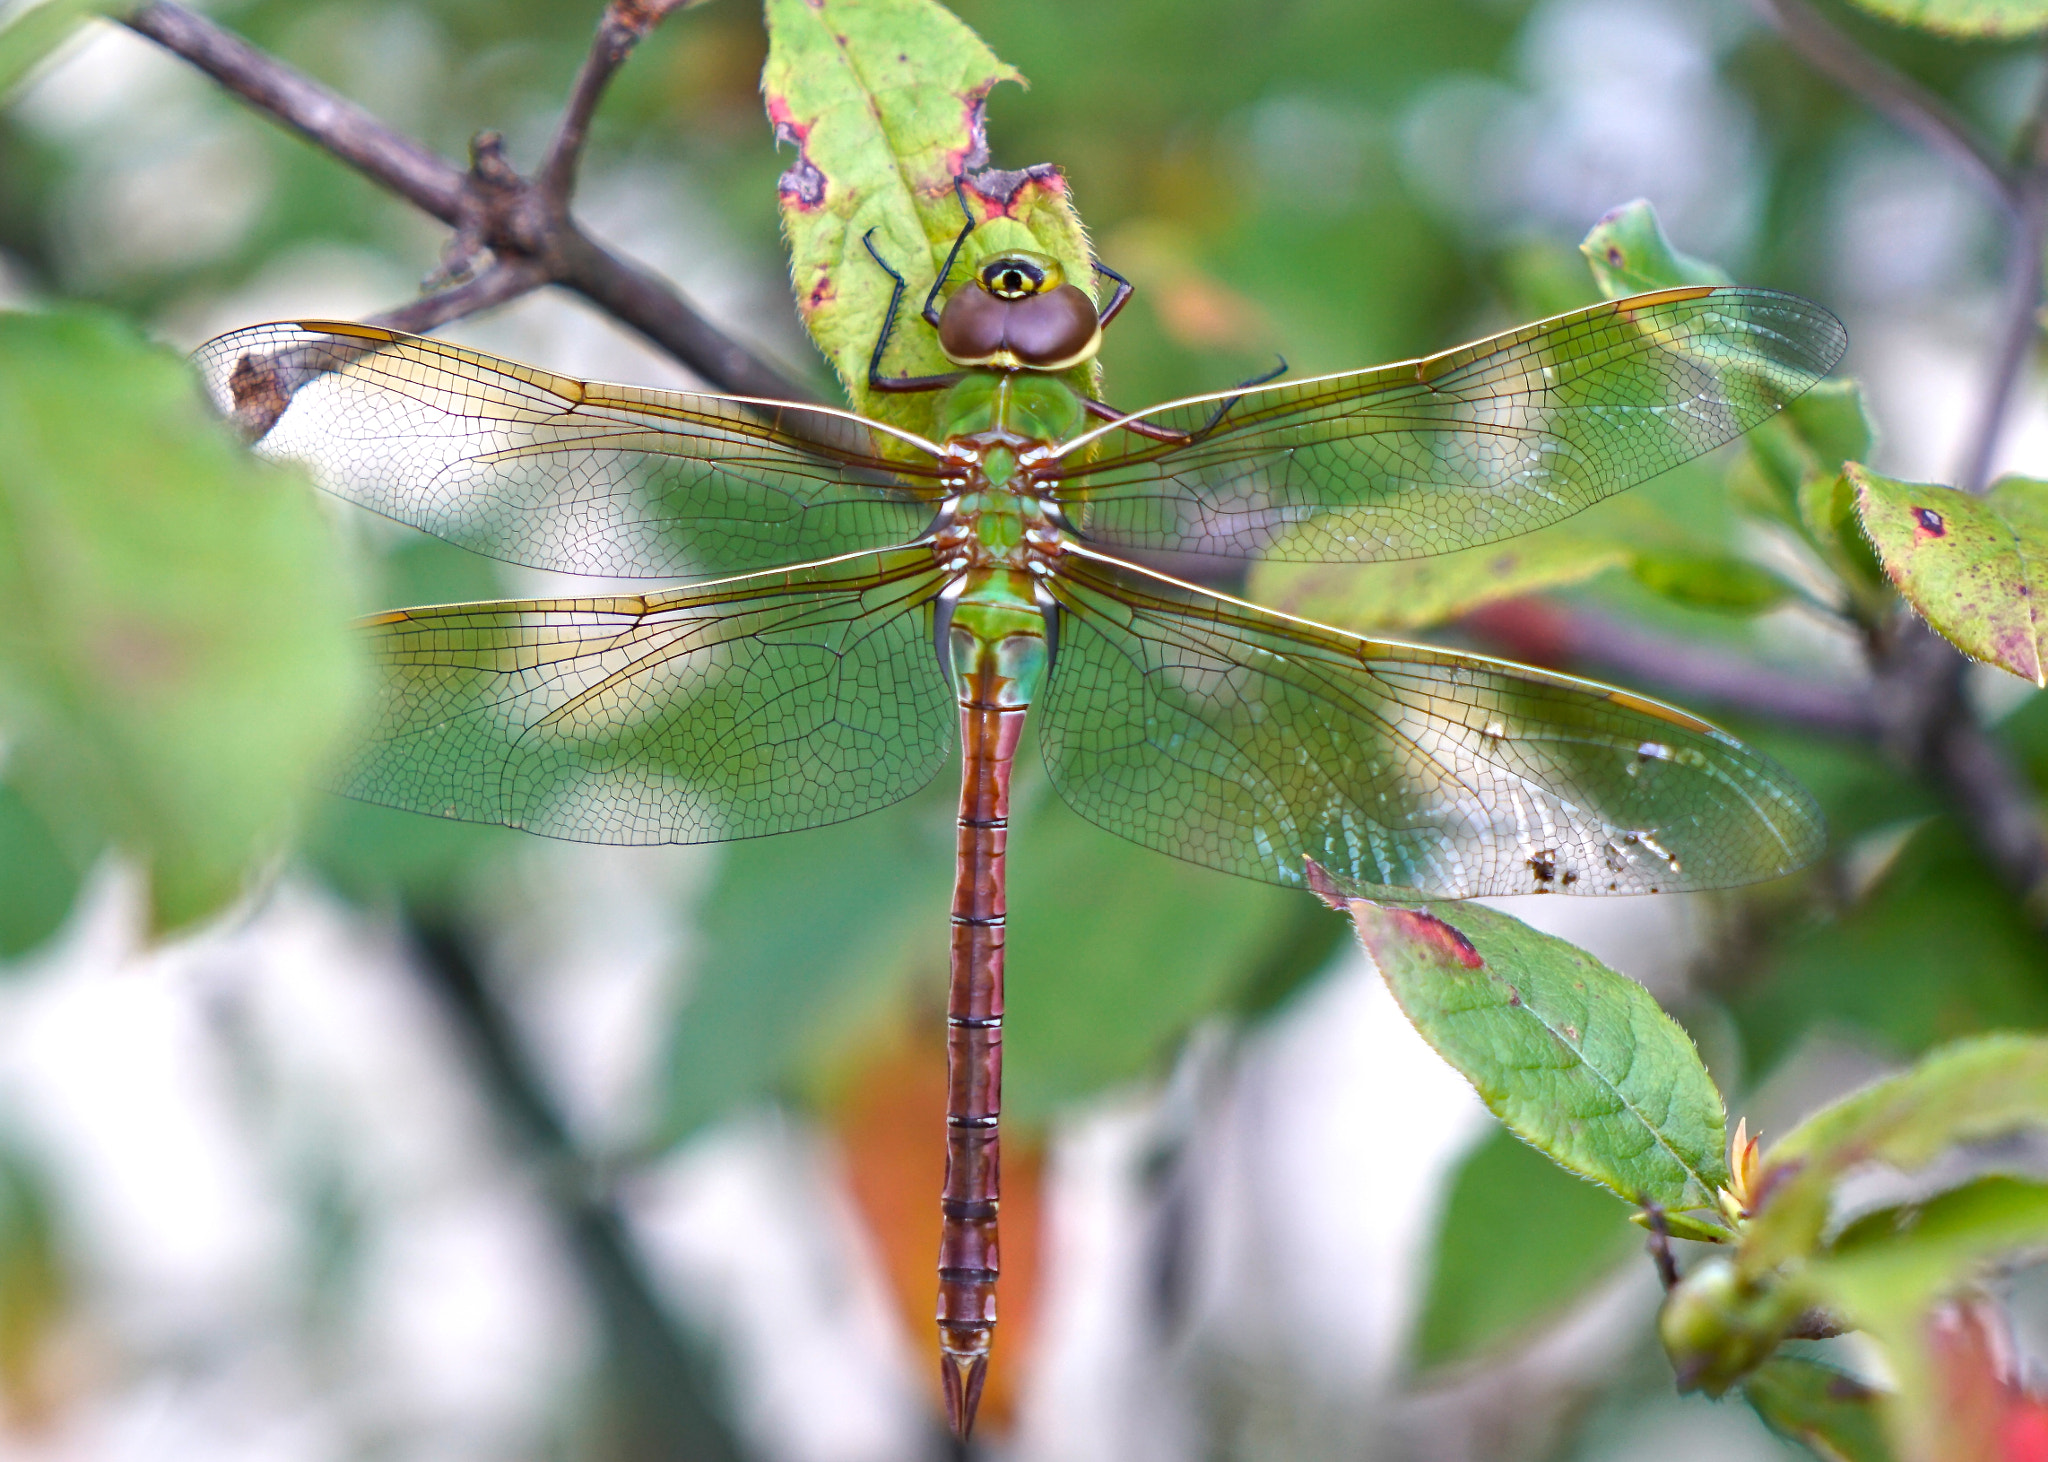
[[962, 1375]]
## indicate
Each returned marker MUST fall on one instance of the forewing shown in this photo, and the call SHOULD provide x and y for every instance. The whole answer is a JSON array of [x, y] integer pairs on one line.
[[1243, 740], [1479, 443], [556, 473], [755, 705]]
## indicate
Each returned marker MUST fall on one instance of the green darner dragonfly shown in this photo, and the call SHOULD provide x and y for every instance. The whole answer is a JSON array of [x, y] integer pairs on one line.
[[940, 588]]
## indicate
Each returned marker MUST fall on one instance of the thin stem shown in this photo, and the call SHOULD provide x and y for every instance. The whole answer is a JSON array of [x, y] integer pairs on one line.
[[2021, 298], [499, 283], [668, 1403], [490, 205], [417, 174], [1888, 90], [624, 24]]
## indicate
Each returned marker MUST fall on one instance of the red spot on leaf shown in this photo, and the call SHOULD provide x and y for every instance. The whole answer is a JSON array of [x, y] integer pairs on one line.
[[1928, 524], [963, 160], [1425, 928], [802, 186], [821, 293]]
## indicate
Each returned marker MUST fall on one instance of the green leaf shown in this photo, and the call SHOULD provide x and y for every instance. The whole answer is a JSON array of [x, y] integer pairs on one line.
[[883, 102], [1970, 566], [1519, 1240], [38, 878], [1833, 420], [1716, 581], [33, 33], [1630, 254], [1576, 1059], [1968, 1091], [1980, 19], [1826, 1410], [175, 658]]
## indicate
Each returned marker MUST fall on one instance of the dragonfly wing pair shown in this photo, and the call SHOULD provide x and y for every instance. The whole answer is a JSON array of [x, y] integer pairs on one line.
[[1201, 726]]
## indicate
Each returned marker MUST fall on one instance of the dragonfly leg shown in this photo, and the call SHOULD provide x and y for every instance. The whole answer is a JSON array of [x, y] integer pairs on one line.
[[876, 380], [1124, 290], [974, 1054], [1102, 411], [931, 300]]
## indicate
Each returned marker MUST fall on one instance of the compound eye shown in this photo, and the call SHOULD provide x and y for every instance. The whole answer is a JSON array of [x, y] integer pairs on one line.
[[1019, 275]]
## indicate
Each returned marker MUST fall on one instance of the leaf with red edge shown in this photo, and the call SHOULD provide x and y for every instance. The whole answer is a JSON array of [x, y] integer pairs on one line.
[[884, 103], [1577, 1060]]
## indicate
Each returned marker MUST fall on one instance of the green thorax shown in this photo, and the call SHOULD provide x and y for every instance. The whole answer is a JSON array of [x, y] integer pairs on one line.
[[1029, 405], [997, 646]]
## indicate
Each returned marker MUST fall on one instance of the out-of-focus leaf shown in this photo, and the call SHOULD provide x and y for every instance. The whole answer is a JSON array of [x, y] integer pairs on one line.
[[1827, 1410], [1933, 952], [1969, 1091], [37, 31], [38, 878], [175, 658], [1887, 1283], [1520, 1238], [1833, 420], [1113, 951], [798, 933], [1969, 566], [883, 103], [1981, 19], [1630, 254], [1410, 592], [1719, 582], [1576, 1059]]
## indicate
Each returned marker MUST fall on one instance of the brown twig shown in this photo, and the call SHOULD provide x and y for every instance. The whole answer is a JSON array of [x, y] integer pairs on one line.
[[525, 223], [1886, 89]]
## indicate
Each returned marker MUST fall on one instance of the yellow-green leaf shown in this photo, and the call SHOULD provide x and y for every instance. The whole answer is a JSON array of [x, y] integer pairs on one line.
[[1971, 567], [1411, 592], [1986, 19], [883, 102], [1630, 254], [1969, 1091]]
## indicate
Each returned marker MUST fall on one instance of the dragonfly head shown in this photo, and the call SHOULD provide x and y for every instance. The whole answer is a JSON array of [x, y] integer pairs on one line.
[[1019, 314]]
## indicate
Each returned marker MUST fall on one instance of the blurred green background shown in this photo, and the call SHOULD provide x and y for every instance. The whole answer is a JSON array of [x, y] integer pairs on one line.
[[390, 1159]]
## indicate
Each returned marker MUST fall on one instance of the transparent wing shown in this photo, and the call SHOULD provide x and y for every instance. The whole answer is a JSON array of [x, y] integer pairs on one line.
[[556, 473], [755, 705], [1240, 739], [1475, 444]]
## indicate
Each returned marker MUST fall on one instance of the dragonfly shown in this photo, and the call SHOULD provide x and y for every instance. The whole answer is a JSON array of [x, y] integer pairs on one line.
[[862, 606]]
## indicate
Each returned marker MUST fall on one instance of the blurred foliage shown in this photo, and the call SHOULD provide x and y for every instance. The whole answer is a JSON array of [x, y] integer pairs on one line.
[[36, 1289], [1520, 1238], [174, 658]]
